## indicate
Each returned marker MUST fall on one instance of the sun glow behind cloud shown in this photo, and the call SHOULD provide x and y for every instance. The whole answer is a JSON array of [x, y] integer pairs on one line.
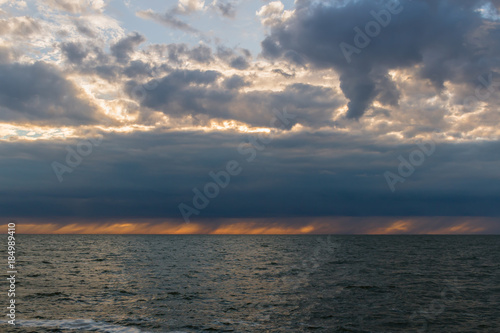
[[294, 226]]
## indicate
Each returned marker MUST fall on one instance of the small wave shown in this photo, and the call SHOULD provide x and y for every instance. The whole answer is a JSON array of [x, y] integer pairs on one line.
[[41, 295], [79, 324], [361, 287]]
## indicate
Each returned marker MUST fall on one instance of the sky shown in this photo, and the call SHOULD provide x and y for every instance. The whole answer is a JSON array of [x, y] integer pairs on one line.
[[260, 117]]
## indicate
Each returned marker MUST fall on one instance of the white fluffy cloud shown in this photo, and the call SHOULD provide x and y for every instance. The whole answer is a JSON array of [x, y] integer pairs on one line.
[[188, 6], [77, 6], [273, 13]]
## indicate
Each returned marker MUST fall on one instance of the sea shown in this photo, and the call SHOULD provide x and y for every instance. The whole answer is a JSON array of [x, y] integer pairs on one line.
[[254, 283]]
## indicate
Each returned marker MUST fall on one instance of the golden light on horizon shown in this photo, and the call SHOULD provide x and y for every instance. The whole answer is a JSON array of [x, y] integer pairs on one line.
[[346, 225], [238, 228], [396, 227]]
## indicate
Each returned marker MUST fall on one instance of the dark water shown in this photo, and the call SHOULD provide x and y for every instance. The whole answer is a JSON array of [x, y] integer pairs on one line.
[[87, 283]]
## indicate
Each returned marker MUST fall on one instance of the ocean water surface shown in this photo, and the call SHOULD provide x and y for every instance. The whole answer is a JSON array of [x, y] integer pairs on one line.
[[207, 283]]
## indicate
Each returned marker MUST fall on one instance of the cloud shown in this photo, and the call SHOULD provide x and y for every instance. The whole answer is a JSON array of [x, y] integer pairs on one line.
[[184, 93], [74, 52], [138, 68], [39, 93], [283, 73], [180, 92], [440, 38], [240, 63], [121, 50], [297, 175], [167, 19], [77, 6], [272, 8], [226, 8], [85, 28], [189, 6], [22, 26], [235, 82], [273, 13], [18, 4], [201, 100], [234, 60], [5, 55], [201, 54]]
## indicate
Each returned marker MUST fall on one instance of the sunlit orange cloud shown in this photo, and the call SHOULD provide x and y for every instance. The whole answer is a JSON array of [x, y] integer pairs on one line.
[[437, 226], [289, 226], [396, 227], [247, 228], [109, 228], [463, 228]]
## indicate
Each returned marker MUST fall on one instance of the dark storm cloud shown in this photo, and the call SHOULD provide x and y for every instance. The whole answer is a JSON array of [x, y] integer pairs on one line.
[[300, 175], [182, 93], [122, 49], [449, 40], [39, 93]]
